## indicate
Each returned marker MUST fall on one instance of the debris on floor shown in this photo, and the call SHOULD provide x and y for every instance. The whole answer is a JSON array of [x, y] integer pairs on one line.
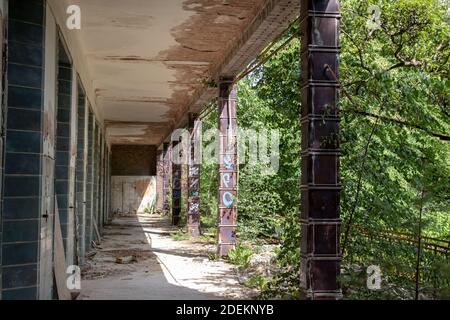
[[126, 260], [138, 260]]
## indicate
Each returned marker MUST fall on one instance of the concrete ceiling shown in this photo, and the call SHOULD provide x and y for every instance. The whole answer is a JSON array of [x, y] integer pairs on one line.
[[144, 62]]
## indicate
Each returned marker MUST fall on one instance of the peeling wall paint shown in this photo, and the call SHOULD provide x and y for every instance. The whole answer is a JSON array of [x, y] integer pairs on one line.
[[147, 61]]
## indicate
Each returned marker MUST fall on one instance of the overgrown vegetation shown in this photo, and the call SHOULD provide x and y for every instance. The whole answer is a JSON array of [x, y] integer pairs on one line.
[[180, 235], [395, 167], [240, 256]]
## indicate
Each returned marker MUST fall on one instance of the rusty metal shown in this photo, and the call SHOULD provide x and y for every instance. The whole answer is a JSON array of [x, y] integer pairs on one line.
[[227, 195], [320, 185], [193, 221], [176, 185]]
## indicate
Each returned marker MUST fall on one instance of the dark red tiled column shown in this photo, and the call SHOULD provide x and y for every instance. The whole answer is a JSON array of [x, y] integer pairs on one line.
[[160, 179], [193, 222], [176, 184], [227, 195], [320, 186], [166, 176]]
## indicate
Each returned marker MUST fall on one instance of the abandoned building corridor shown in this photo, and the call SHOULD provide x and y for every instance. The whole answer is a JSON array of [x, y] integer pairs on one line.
[[138, 260], [94, 93]]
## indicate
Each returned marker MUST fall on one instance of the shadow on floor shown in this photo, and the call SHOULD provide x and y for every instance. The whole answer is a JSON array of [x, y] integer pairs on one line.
[[160, 269]]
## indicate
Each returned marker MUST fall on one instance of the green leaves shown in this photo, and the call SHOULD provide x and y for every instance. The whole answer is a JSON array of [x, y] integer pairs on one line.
[[399, 73]]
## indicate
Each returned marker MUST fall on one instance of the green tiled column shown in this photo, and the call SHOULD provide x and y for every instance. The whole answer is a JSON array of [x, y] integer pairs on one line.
[[81, 174], [2, 124], [95, 179], [28, 176], [63, 144], [89, 184]]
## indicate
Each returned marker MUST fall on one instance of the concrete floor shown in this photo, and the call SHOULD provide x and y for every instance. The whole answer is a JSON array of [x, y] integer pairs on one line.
[[165, 269]]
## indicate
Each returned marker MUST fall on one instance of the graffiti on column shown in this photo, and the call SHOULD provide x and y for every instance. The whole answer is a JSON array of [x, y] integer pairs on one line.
[[160, 180], [176, 187], [166, 177], [227, 168], [193, 180]]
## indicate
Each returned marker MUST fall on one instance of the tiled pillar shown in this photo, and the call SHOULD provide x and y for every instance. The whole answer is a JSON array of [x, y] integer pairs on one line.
[[48, 163], [27, 224], [176, 184], [2, 124], [228, 179], [193, 209], [167, 151], [105, 183], [71, 232], [184, 186], [320, 186], [159, 179], [108, 200], [95, 179], [89, 182], [81, 175], [101, 183], [97, 176], [63, 145]]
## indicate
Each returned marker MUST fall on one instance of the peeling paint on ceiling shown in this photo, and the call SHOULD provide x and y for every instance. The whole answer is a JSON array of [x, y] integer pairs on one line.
[[147, 61]]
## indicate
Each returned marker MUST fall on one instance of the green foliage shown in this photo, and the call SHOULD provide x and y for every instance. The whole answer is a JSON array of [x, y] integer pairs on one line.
[[151, 208], [213, 256], [206, 239], [392, 73], [258, 281], [180, 235], [240, 256], [398, 72]]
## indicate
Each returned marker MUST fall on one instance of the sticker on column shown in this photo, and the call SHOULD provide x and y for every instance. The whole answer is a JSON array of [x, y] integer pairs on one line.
[[193, 208], [193, 171], [193, 184], [226, 179], [193, 193], [228, 162], [228, 199]]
